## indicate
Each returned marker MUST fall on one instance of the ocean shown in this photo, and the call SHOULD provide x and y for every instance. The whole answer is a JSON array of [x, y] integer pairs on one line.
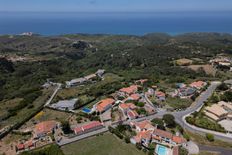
[[56, 23]]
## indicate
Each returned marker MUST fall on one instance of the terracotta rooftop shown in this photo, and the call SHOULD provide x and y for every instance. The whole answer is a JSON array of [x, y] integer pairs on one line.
[[197, 84], [44, 127], [178, 140], [159, 93], [87, 126], [135, 97], [144, 124], [162, 133], [129, 90], [104, 103]]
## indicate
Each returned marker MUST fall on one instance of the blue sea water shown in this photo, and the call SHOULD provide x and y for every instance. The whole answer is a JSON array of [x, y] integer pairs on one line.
[[114, 23]]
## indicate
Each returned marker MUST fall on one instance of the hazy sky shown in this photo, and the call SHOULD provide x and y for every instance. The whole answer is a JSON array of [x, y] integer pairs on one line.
[[115, 5]]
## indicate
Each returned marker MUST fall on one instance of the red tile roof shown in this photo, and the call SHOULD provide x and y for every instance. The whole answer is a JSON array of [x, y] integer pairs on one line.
[[197, 84], [29, 144], [129, 90], [20, 146], [135, 97], [132, 114], [142, 135], [162, 133], [92, 125], [104, 103], [88, 126], [178, 140], [44, 127], [144, 124], [160, 94]]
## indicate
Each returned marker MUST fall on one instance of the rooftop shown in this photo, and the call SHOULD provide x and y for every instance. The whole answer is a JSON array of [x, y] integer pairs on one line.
[[217, 110]]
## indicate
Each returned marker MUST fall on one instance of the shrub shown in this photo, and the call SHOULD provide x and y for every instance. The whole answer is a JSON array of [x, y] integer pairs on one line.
[[209, 137], [169, 120]]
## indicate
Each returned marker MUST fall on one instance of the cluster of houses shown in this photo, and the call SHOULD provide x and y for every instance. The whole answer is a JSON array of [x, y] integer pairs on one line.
[[222, 62], [82, 80], [185, 91], [124, 100], [40, 134], [147, 134]]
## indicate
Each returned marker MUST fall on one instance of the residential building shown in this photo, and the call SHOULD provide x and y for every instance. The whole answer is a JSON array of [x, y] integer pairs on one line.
[[142, 126], [132, 114], [143, 137], [128, 90], [198, 84], [160, 95], [75, 82], [186, 92], [44, 128], [100, 72], [104, 105], [134, 97], [91, 126], [161, 136], [215, 112], [90, 77]]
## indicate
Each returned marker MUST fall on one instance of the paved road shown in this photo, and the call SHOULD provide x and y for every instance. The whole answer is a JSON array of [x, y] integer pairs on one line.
[[80, 137], [53, 95], [221, 150]]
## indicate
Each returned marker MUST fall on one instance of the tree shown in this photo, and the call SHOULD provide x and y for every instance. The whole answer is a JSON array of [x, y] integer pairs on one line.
[[66, 127], [169, 120], [127, 139], [227, 96], [159, 123], [222, 87], [138, 146], [209, 137]]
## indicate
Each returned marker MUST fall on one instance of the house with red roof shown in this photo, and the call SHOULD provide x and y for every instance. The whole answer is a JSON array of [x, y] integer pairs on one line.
[[160, 95], [104, 105], [128, 90], [161, 136], [134, 97], [142, 126], [198, 84], [44, 128], [143, 137], [91, 126], [20, 147], [132, 114]]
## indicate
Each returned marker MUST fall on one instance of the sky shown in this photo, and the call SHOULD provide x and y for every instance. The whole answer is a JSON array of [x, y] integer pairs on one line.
[[115, 5]]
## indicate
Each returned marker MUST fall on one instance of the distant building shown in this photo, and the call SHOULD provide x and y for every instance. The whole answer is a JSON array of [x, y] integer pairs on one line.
[[75, 82], [100, 72], [198, 85], [160, 95], [186, 92], [128, 90], [215, 112], [65, 105]]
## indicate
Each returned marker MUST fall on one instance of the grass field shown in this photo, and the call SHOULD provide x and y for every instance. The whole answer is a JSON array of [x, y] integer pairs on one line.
[[23, 113], [105, 144], [178, 103], [202, 140]]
